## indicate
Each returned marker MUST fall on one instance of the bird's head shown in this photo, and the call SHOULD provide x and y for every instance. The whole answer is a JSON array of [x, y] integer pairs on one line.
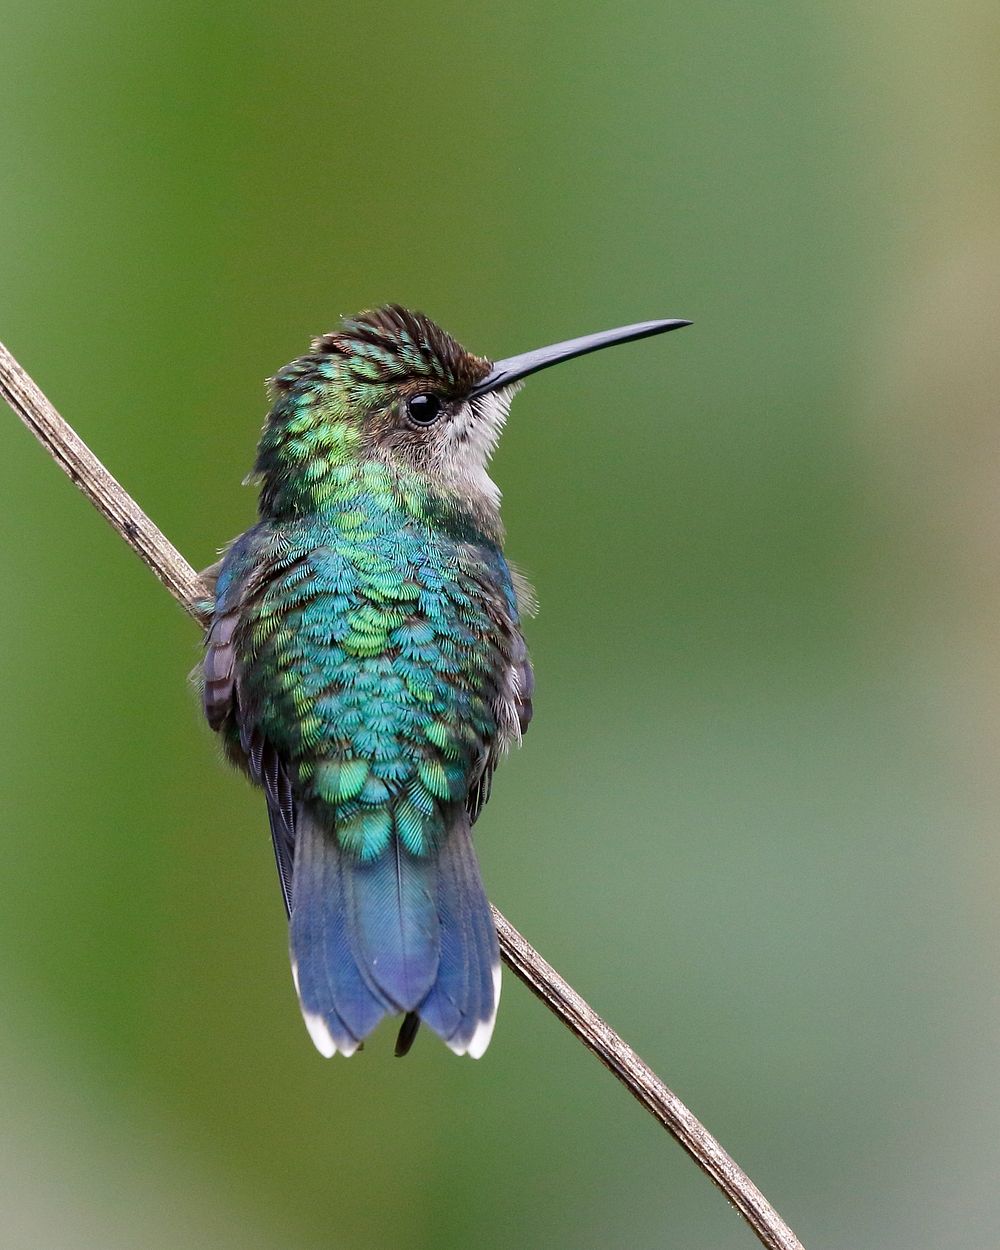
[[391, 386]]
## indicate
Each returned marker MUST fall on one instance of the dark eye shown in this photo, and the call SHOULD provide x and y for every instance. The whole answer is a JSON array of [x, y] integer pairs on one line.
[[423, 409]]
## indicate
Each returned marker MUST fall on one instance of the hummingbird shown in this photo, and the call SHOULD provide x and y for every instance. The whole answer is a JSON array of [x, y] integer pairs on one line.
[[365, 666]]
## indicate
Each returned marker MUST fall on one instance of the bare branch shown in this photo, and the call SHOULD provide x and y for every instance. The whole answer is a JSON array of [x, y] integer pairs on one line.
[[153, 548], [83, 468], [644, 1085]]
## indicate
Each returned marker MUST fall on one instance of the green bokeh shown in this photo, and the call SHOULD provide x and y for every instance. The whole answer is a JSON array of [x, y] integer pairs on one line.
[[754, 821]]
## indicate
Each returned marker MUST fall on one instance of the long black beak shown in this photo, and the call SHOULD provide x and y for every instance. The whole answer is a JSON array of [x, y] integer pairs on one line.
[[514, 367]]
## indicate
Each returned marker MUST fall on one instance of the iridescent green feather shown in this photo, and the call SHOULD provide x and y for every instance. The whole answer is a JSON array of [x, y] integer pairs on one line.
[[348, 685]]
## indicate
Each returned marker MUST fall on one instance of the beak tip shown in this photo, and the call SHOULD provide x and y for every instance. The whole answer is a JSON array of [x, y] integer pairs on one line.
[[505, 372]]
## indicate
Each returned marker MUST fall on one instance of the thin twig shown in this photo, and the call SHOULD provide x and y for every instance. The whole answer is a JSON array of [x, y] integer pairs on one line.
[[644, 1085], [83, 468], [86, 471]]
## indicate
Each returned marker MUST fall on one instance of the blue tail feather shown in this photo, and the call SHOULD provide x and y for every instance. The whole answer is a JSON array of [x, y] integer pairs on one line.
[[461, 1007], [400, 933], [339, 1006], [393, 923], [455, 993]]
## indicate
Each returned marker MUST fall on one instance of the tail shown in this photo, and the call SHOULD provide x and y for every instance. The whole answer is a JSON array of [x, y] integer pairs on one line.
[[400, 933]]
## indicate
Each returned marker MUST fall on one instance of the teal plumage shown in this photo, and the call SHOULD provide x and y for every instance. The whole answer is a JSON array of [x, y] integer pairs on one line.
[[370, 660], [365, 666]]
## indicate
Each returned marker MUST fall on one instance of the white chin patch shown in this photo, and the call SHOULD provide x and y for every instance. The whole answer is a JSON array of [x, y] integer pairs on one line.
[[476, 1047], [471, 441]]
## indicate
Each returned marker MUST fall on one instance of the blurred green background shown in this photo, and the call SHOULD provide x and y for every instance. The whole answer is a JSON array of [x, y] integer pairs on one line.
[[755, 818]]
